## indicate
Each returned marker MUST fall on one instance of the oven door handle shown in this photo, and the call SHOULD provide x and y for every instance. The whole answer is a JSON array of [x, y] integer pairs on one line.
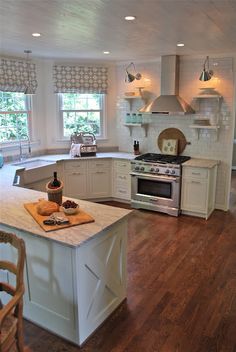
[[157, 177]]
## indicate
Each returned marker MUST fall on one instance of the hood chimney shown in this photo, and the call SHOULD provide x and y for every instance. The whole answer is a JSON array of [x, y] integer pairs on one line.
[[169, 102]]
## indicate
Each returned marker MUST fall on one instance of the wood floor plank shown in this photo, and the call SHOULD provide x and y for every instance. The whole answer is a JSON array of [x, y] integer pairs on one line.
[[181, 289]]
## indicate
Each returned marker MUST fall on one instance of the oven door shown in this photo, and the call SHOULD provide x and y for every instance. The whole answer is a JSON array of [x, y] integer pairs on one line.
[[157, 190]]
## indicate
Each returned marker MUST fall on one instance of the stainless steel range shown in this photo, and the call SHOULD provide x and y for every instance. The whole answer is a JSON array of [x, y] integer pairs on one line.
[[156, 182]]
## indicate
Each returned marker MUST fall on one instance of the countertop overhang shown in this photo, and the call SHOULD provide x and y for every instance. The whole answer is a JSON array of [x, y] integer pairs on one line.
[[14, 215]]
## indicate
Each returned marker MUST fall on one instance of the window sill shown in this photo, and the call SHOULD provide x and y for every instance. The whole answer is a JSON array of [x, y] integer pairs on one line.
[[62, 140]]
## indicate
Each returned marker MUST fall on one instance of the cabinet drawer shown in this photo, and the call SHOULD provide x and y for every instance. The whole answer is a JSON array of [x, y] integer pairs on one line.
[[100, 163], [197, 172], [122, 166], [121, 177], [75, 165], [122, 192]]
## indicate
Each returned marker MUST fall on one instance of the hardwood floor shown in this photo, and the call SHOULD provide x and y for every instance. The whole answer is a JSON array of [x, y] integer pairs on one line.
[[181, 289]]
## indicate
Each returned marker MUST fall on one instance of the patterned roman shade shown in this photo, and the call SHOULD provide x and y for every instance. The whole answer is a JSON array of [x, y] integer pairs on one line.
[[80, 79], [17, 75]]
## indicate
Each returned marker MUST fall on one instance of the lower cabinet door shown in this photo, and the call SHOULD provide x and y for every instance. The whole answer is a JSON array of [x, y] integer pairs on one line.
[[194, 195], [99, 183], [75, 185]]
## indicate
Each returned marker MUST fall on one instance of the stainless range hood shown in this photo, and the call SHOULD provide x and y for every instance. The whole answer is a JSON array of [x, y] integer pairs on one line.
[[169, 102]]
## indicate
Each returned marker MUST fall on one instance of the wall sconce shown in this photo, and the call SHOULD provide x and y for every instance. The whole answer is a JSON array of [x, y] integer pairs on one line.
[[206, 73], [129, 76], [28, 89]]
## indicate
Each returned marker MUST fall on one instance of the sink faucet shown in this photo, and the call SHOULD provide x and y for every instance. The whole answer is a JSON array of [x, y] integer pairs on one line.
[[20, 145]]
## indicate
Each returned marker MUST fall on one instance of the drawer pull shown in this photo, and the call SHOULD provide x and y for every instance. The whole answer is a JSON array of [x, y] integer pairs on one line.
[[100, 172], [76, 173], [198, 182], [196, 173], [122, 177], [120, 191]]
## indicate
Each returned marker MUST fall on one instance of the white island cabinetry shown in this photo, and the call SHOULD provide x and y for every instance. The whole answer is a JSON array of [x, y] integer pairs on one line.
[[198, 187], [74, 277]]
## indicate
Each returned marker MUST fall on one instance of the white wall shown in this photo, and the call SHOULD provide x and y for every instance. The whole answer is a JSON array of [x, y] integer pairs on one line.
[[204, 147]]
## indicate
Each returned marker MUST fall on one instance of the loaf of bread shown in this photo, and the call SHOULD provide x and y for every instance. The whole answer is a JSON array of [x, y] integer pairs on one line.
[[46, 207]]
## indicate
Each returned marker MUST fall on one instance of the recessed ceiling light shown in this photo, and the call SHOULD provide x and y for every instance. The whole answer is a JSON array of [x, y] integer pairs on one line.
[[106, 52], [130, 18], [180, 44], [36, 34]]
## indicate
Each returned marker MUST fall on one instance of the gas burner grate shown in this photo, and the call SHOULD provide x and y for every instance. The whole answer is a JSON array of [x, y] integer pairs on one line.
[[163, 158]]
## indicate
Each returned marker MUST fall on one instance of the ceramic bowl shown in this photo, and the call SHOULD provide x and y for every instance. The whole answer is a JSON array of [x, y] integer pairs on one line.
[[70, 211]]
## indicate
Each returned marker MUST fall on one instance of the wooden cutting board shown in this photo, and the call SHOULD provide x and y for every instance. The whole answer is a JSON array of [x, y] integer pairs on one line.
[[173, 133], [77, 219]]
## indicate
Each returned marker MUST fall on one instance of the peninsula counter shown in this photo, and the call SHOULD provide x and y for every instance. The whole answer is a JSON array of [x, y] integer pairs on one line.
[[74, 277]]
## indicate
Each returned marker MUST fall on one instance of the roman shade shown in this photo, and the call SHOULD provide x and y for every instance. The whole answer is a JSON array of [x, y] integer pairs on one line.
[[80, 79], [17, 75]]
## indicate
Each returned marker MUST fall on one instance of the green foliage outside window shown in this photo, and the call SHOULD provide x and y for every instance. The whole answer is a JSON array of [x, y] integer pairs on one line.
[[81, 113], [13, 116]]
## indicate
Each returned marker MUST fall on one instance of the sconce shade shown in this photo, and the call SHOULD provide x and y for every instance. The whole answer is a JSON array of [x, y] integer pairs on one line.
[[206, 73], [205, 76], [129, 76]]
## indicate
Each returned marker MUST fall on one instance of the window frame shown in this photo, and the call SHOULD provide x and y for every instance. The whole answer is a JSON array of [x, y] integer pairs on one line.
[[28, 112], [103, 120]]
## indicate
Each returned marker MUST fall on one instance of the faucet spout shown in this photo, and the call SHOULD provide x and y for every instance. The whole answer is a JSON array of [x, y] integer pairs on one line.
[[24, 137]]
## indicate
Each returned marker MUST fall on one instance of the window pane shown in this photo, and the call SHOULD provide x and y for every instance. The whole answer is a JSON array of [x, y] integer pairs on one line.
[[14, 117], [12, 101], [81, 113]]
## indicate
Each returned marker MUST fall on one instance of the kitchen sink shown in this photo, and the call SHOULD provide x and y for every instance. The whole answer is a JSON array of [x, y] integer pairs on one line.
[[30, 164]]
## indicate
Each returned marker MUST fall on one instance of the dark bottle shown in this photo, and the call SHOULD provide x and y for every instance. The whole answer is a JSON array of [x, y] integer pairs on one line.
[[55, 182], [137, 148]]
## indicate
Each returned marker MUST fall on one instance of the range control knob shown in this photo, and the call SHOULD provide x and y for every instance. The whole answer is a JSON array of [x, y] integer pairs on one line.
[[152, 169], [172, 172], [136, 168], [157, 170], [142, 168], [167, 171]]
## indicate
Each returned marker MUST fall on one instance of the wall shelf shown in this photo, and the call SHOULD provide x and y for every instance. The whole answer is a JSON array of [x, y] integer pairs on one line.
[[131, 99], [131, 125], [208, 96], [197, 128]]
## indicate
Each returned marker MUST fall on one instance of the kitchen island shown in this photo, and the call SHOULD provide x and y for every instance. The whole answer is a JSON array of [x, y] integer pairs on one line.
[[74, 277]]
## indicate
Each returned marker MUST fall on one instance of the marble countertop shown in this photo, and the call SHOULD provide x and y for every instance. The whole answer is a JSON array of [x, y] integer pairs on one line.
[[113, 155], [195, 162], [14, 215]]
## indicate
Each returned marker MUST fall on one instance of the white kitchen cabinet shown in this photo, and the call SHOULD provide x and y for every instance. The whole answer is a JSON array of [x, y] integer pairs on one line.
[[198, 190], [121, 187], [99, 178], [75, 179]]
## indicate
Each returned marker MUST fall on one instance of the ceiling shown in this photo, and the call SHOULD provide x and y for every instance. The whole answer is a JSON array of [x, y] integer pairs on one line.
[[83, 29]]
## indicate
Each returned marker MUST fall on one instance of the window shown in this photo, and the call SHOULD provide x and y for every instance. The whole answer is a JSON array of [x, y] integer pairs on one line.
[[82, 113], [15, 116]]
